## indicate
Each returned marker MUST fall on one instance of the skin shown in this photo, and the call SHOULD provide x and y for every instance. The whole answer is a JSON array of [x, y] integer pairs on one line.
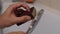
[[8, 18], [17, 32]]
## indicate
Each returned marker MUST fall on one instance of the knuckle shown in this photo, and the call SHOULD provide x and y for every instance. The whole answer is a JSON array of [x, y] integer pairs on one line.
[[12, 5], [20, 3]]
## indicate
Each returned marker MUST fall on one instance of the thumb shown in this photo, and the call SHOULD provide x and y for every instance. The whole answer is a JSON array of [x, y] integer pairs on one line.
[[23, 18]]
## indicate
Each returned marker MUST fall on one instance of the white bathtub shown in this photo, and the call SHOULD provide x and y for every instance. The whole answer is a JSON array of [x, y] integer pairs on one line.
[[49, 23]]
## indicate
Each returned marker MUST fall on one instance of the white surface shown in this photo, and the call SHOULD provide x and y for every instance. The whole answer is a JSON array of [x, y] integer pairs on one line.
[[49, 23]]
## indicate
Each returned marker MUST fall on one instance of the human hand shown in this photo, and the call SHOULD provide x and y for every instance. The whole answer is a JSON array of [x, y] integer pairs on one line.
[[16, 33], [8, 18]]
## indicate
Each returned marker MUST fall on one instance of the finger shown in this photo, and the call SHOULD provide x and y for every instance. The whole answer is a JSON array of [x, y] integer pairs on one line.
[[12, 33], [20, 32], [26, 6], [13, 6], [18, 5], [23, 18]]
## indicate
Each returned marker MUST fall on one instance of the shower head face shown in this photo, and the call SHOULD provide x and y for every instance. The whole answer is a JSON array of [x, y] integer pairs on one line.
[[22, 12]]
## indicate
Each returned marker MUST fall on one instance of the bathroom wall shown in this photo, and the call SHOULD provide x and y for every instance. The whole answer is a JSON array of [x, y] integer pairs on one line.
[[51, 3]]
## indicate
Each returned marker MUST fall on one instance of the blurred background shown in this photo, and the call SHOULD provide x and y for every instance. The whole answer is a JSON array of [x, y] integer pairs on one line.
[[49, 23]]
